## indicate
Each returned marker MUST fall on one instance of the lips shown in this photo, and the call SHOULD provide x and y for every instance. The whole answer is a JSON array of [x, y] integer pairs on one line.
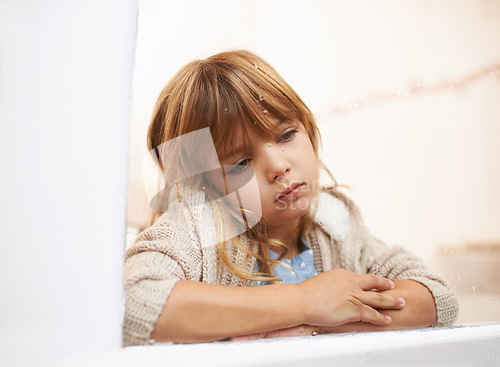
[[290, 192]]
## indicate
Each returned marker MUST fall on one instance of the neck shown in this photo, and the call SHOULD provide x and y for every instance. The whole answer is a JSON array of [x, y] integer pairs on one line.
[[289, 235]]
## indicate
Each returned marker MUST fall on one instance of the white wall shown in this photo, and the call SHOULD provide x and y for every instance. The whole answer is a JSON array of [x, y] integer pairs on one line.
[[65, 90], [423, 165]]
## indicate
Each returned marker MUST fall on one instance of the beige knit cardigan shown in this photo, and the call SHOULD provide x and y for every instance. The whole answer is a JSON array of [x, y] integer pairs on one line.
[[180, 245]]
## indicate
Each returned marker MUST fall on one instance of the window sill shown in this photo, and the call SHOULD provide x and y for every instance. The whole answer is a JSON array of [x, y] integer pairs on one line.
[[457, 346]]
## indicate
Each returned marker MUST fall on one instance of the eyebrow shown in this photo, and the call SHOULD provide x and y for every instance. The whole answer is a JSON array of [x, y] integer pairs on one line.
[[239, 150], [231, 153]]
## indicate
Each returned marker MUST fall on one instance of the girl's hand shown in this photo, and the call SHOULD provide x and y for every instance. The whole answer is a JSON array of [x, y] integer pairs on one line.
[[340, 296]]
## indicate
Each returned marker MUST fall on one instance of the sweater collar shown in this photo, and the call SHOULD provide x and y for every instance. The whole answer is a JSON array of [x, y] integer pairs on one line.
[[333, 216]]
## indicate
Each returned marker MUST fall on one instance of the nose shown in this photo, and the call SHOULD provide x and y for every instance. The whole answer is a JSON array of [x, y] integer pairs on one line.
[[277, 163]]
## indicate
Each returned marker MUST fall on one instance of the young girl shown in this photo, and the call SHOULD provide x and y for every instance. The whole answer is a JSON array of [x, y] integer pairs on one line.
[[249, 245]]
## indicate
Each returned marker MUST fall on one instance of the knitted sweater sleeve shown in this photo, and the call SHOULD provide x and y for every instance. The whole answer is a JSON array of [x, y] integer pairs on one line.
[[395, 263], [161, 256]]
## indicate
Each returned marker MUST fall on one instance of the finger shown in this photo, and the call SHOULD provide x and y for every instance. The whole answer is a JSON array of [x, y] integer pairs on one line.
[[372, 316], [382, 300], [368, 282], [358, 311]]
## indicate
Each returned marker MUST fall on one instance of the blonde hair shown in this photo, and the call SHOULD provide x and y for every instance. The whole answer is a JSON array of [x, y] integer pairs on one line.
[[225, 91]]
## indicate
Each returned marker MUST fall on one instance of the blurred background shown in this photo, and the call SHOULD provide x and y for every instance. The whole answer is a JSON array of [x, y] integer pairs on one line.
[[407, 98]]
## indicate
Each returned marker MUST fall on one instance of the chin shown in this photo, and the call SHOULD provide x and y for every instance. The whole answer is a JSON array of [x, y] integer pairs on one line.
[[290, 214]]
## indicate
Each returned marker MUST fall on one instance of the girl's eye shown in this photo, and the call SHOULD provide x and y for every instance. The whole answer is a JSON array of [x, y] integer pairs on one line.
[[288, 135], [239, 167]]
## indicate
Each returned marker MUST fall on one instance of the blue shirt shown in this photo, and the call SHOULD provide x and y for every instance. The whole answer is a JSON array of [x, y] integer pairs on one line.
[[302, 264]]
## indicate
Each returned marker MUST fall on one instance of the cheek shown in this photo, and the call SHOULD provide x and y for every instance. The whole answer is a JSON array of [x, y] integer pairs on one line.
[[250, 193], [307, 157], [215, 180], [243, 193], [312, 159], [314, 168], [249, 200]]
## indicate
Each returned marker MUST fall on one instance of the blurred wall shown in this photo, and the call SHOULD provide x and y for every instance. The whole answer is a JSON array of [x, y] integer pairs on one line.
[[65, 89], [405, 93]]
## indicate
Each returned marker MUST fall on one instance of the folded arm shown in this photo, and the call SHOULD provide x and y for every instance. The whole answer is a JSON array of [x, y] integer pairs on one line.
[[199, 312], [418, 311], [429, 297]]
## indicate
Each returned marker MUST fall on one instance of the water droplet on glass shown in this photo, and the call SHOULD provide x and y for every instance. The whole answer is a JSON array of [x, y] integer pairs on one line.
[[264, 112], [261, 97], [473, 288]]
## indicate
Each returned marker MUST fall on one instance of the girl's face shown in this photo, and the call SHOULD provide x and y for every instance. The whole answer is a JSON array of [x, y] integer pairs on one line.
[[285, 168]]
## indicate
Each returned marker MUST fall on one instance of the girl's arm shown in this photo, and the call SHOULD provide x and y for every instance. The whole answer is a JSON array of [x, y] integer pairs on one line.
[[200, 312], [419, 311]]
